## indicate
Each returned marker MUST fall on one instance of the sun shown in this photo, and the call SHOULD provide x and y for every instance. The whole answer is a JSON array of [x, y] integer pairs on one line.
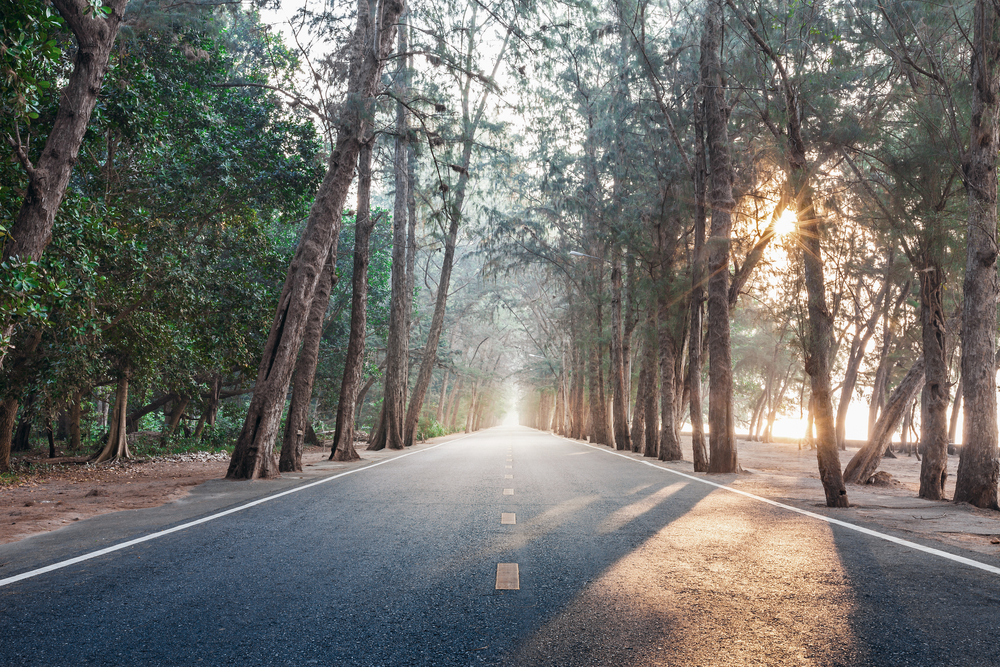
[[786, 223]]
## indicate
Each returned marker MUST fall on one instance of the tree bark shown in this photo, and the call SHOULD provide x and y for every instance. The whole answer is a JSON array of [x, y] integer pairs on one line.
[[8, 417], [819, 333], [253, 455], [619, 399], [117, 447], [297, 423], [176, 414], [638, 434], [434, 333], [444, 396], [390, 428], [74, 422], [48, 178], [722, 430], [343, 438], [934, 399], [651, 446], [864, 464], [979, 466], [697, 300]]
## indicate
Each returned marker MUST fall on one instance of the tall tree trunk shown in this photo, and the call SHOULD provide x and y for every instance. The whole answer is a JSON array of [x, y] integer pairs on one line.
[[934, 398], [864, 464], [955, 411], [8, 418], [444, 396], [47, 179], [433, 334], [472, 407], [390, 428], [639, 411], [253, 455], [670, 446], [619, 398], [176, 413], [722, 429], [117, 447], [74, 422], [343, 438], [881, 376], [454, 403], [819, 334], [297, 423], [979, 466], [651, 446], [697, 300]]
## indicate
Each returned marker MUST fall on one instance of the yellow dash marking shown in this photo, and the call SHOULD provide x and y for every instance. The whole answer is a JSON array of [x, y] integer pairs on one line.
[[508, 477], [508, 492], [508, 578], [508, 467], [508, 518]]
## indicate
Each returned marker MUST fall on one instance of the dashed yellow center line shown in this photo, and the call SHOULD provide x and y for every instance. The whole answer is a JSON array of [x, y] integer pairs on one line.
[[508, 518], [508, 467], [508, 578]]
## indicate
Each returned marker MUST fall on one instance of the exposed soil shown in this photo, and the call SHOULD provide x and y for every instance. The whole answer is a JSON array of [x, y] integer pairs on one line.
[[66, 489]]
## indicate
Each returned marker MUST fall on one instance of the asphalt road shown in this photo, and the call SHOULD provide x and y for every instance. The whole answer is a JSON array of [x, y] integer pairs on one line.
[[619, 563]]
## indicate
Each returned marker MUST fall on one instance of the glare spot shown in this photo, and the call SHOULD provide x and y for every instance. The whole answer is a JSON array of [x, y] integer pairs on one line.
[[785, 224]]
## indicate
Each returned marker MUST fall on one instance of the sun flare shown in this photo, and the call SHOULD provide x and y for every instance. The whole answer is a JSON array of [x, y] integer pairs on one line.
[[785, 224]]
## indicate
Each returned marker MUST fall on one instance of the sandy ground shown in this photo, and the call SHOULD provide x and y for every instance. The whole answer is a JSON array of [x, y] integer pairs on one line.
[[70, 490]]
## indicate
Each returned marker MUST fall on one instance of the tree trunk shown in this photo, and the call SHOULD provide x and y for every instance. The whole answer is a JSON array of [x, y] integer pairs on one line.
[[472, 408], [444, 396], [117, 447], [49, 433], [639, 411], [8, 417], [74, 422], [253, 455], [670, 446], [437, 320], [176, 414], [935, 397], [979, 466], [866, 461], [390, 428], [722, 431], [697, 300], [619, 411], [453, 405], [22, 436], [651, 446], [48, 178], [297, 422], [881, 376], [955, 411], [343, 438]]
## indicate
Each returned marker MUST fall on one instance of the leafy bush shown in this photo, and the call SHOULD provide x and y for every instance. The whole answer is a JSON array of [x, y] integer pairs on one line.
[[430, 428]]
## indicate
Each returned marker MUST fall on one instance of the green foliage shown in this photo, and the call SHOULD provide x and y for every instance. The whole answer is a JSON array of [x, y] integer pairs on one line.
[[429, 427]]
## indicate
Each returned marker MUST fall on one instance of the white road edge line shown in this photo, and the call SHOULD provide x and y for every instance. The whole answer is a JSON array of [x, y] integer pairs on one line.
[[189, 524], [812, 515]]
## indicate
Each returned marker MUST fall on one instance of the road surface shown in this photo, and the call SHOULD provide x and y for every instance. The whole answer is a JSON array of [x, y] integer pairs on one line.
[[412, 562]]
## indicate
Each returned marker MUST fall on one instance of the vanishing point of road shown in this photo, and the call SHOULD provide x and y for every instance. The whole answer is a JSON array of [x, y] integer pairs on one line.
[[505, 547]]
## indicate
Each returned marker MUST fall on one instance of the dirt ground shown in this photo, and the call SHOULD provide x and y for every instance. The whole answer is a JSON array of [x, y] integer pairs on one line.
[[66, 490]]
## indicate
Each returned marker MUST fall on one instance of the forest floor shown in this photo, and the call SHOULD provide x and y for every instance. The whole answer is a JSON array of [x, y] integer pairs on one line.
[[60, 491]]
